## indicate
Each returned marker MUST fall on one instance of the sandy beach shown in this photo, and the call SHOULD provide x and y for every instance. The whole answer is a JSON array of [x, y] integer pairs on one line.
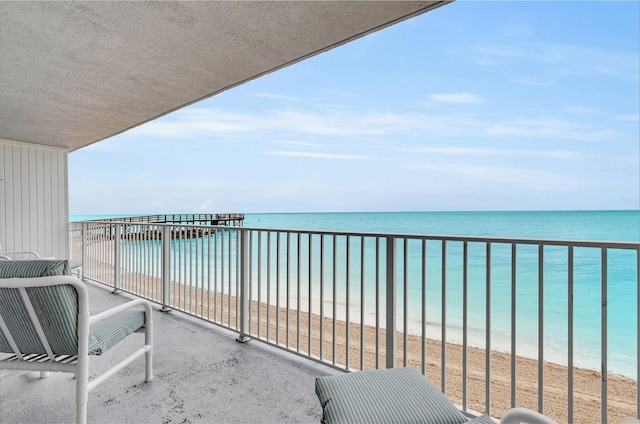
[[587, 383]]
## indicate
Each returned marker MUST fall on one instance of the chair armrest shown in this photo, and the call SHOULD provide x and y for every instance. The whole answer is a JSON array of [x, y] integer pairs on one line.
[[113, 311], [22, 253], [524, 415]]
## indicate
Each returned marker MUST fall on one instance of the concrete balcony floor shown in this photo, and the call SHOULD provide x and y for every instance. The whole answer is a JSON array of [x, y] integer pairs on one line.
[[202, 375]]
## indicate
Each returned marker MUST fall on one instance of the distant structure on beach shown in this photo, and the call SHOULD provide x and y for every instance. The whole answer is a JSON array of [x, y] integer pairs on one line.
[[226, 219], [145, 232]]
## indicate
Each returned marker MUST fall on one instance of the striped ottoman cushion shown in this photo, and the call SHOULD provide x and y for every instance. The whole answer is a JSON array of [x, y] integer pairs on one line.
[[104, 334], [398, 395]]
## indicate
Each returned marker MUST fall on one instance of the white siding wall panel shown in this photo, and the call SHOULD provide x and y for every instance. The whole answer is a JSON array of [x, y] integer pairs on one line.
[[33, 199]]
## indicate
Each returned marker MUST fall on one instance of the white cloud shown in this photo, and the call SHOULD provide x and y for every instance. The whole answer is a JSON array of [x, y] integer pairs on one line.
[[564, 60], [208, 123], [457, 98], [630, 117], [537, 82], [318, 155], [474, 151], [584, 110], [548, 128], [300, 143]]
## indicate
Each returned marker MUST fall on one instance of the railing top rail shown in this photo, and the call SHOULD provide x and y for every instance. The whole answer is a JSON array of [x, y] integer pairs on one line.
[[472, 239], [608, 244]]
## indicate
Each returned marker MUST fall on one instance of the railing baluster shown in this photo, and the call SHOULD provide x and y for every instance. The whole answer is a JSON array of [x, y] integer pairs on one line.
[[222, 248], [229, 276], [487, 378], [335, 300], [570, 335], [244, 285], [260, 282], [194, 281], [362, 324], [84, 229], [513, 325], [116, 261], [377, 302], [603, 337], [166, 268], [444, 318], [347, 305], [288, 269], [278, 236], [183, 263], [541, 328], [215, 275], [405, 299], [310, 281], [268, 285], [391, 349], [209, 273], [298, 295], [321, 296], [424, 308], [465, 305]]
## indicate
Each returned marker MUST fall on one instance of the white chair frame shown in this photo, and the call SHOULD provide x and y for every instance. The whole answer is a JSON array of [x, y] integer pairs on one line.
[[75, 364]]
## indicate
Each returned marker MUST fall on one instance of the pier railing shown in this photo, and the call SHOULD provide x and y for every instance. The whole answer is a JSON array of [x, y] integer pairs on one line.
[[444, 304], [234, 219]]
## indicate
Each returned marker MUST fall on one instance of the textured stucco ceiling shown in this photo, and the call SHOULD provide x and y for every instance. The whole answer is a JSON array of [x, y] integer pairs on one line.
[[73, 73]]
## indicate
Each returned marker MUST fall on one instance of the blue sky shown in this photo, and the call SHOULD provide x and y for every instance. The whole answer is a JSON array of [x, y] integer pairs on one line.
[[474, 106]]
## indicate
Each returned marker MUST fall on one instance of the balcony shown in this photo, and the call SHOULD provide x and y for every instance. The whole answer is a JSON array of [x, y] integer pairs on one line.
[[292, 292]]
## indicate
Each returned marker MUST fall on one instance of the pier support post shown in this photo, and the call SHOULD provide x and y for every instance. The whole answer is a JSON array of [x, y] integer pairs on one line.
[[391, 344], [244, 286]]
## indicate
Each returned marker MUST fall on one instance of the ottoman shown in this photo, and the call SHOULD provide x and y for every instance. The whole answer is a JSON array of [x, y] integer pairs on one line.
[[397, 395]]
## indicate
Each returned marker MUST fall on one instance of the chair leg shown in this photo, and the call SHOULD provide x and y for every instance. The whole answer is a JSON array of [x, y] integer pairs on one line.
[[148, 341], [148, 372], [82, 389], [82, 397]]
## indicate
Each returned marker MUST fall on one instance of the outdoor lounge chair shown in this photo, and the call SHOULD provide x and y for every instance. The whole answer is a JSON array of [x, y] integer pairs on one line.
[[45, 326], [398, 395]]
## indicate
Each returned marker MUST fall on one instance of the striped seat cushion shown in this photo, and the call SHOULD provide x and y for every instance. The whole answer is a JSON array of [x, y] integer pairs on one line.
[[398, 395], [34, 268], [106, 333]]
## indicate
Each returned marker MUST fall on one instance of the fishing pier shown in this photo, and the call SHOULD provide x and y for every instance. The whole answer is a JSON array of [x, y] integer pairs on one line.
[[183, 226]]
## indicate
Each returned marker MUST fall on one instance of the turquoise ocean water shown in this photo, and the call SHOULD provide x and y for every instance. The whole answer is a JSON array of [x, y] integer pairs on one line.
[[564, 225]]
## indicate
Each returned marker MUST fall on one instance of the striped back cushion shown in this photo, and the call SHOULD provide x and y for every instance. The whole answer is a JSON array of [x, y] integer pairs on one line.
[[56, 308], [34, 268], [398, 395]]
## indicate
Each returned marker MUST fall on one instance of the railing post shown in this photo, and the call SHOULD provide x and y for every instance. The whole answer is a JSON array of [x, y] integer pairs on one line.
[[244, 286], [391, 345], [166, 267], [116, 258], [84, 249]]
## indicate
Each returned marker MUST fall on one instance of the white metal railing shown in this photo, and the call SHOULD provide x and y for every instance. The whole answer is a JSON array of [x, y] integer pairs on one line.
[[370, 300]]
